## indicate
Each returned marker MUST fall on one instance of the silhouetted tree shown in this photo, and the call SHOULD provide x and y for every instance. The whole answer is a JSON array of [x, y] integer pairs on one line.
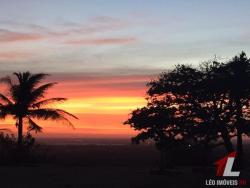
[[238, 86], [25, 101], [158, 122], [212, 102], [200, 100]]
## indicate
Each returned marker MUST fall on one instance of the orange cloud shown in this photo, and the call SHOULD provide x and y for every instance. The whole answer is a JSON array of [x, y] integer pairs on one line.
[[104, 41], [87, 86]]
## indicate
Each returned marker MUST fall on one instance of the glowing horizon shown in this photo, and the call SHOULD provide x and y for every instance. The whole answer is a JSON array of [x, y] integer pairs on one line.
[[102, 54], [99, 107]]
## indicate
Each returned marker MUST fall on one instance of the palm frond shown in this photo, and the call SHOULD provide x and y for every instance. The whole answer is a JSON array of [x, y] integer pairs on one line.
[[48, 101], [19, 76], [35, 79], [44, 114], [50, 114], [66, 121], [15, 92], [5, 110], [5, 99], [33, 126], [63, 112], [39, 92]]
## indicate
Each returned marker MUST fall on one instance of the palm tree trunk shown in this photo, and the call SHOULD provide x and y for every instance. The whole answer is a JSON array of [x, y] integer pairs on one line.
[[20, 131]]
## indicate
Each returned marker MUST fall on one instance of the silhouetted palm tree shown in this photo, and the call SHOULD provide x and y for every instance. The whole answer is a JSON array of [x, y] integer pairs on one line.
[[25, 101]]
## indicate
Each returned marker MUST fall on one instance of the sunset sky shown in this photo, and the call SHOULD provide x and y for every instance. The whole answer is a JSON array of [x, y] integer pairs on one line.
[[102, 52]]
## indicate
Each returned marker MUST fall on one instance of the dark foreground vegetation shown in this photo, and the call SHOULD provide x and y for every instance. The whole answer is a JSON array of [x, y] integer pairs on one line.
[[12, 154], [105, 166], [202, 107]]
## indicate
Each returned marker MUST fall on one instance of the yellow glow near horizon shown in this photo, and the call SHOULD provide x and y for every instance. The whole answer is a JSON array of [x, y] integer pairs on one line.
[[104, 105], [97, 116]]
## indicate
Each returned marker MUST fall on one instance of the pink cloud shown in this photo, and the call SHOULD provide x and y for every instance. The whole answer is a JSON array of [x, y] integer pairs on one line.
[[93, 25], [10, 36], [102, 41], [13, 55]]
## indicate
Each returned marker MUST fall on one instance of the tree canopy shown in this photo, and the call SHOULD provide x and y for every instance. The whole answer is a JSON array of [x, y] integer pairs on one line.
[[201, 104]]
